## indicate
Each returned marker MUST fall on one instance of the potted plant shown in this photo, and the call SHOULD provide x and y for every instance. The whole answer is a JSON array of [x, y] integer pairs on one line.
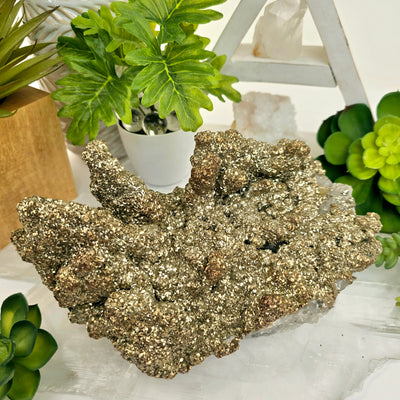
[[33, 159], [142, 54]]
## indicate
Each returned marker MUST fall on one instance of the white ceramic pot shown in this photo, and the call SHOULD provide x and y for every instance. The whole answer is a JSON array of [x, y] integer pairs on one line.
[[160, 160]]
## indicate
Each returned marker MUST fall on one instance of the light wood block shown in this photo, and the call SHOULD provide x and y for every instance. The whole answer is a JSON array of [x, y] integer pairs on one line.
[[33, 157]]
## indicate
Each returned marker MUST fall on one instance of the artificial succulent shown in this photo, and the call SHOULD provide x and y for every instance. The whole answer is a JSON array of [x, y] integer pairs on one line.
[[390, 251], [24, 348], [17, 66], [366, 155]]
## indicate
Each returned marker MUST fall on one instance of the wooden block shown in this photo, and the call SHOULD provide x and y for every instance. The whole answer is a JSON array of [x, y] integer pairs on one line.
[[33, 157]]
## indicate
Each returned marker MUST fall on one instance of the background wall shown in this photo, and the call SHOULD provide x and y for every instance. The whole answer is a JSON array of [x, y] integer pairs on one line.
[[373, 32]]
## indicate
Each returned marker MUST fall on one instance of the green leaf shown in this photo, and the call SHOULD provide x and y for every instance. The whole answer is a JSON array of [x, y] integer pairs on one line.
[[390, 171], [336, 148], [391, 261], [6, 373], [140, 28], [175, 80], [392, 198], [325, 131], [368, 140], [7, 349], [372, 158], [334, 122], [26, 67], [6, 114], [23, 333], [389, 185], [389, 119], [355, 121], [26, 51], [389, 105], [13, 40], [222, 85], [355, 164], [379, 260], [34, 74], [4, 390], [13, 309], [390, 219], [373, 203], [91, 23], [96, 91], [34, 315], [169, 15], [332, 171], [44, 348], [24, 384], [356, 167], [9, 11], [362, 189]]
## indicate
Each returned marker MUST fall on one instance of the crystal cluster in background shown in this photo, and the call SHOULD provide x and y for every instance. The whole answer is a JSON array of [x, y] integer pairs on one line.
[[147, 121], [265, 117]]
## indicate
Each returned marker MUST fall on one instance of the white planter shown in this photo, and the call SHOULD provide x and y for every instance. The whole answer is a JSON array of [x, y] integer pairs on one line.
[[160, 160]]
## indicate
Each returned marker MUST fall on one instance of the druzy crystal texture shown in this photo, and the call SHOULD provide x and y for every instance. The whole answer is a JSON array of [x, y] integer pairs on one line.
[[171, 279]]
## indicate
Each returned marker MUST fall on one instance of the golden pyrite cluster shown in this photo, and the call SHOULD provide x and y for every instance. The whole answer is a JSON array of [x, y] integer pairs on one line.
[[172, 278]]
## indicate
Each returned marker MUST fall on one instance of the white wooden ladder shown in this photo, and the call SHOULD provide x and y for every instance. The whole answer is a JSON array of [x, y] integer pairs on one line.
[[329, 65]]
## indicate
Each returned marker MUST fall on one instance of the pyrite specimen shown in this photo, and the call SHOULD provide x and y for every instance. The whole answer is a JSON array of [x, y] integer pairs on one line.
[[173, 278]]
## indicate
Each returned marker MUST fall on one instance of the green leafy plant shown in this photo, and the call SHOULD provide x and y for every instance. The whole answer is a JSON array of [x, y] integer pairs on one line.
[[143, 46], [366, 155], [17, 67], [24, 348]]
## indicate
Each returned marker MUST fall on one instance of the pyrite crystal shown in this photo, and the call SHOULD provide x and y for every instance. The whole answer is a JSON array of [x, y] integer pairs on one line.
[[173, 278]]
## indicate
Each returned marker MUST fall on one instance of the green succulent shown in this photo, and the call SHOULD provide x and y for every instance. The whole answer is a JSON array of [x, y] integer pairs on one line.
[[390, 253], [24, 348], [366, 155], [379, 151], [17, 67]]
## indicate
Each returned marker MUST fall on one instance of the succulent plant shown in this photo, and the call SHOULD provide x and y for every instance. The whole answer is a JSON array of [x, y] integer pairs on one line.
[[17, 67], [24, 348], [366, 155], [390, 251]]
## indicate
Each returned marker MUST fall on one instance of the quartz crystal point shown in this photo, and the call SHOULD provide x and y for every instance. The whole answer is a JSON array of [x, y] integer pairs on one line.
[[279, 31], [173, 278]]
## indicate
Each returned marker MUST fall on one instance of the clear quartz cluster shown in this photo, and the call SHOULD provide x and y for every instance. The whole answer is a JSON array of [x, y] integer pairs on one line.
[[279, 31], [173, 278]]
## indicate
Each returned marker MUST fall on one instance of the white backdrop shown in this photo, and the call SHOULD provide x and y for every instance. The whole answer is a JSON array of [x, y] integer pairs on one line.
[[373, 32]]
